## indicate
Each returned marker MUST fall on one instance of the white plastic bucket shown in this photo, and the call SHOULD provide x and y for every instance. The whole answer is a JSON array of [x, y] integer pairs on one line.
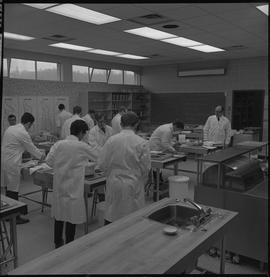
[[178, 186]]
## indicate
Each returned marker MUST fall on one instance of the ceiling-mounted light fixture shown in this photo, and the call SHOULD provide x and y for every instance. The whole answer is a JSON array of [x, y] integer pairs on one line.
[[104, 52], [83, 14], [17, 36], [70, 46], [135, 57], [40, 6], [263, 8], [181, 41], [206, 48], [150, 33]]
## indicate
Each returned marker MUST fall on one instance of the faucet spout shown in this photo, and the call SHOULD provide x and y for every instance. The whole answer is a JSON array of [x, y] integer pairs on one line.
[[198, 207]]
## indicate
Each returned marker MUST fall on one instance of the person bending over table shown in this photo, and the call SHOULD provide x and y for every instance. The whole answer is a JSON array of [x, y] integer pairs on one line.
[[125, 159], [68, 159], [162, 140], [15, 141]]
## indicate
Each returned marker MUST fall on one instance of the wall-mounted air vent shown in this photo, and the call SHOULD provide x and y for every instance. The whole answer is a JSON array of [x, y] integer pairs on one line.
[[150, 19], [58, 38]]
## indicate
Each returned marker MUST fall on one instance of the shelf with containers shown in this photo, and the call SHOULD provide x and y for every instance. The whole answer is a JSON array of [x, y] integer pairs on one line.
[[141, 104], [121, 99], [101, 102]]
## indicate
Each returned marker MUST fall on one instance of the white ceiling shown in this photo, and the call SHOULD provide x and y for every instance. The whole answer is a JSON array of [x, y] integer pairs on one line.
[[221, 25]]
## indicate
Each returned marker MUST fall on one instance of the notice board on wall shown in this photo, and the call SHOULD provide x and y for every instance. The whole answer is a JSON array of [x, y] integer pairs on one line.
[[190, 108]]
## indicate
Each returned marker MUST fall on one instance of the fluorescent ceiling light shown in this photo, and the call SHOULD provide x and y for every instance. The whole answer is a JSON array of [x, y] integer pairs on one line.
[[206, 48], [80, 13], [104, 52], [16, 36], [181, 41], [40, 6], [263, 8], [128, 56], [70, 46], [150, 33]]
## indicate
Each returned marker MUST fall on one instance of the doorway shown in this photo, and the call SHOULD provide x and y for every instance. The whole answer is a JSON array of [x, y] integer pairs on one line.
[[247, 109]]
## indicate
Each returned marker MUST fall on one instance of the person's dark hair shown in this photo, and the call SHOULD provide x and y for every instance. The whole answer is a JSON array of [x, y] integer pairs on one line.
[[11, 116], [122, 109], [129, 119], [78, 126], [91, 111], [77, 110], [179, 124], [27, 117], [61, 107]]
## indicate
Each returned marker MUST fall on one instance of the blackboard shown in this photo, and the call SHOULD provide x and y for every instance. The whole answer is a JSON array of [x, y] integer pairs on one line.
[[190, 108]]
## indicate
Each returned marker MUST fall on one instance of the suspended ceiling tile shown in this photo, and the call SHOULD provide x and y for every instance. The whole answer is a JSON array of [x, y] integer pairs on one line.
[[188, 11], [216, 8], [160, 7], [100, 7]]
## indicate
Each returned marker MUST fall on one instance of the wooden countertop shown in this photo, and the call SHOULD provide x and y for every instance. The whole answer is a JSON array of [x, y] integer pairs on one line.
[[131, 245]]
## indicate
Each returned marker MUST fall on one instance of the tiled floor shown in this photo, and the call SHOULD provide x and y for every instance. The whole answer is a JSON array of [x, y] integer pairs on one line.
[[36, 238]]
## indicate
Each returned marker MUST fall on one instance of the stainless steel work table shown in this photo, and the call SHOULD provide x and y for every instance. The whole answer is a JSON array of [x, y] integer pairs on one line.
[[10, 212], [135, 244], [162, 163], [220, 157], [44, 179], [254, 145]]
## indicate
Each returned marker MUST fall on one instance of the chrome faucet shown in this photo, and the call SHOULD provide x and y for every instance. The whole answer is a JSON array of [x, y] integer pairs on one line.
[[198, 207]]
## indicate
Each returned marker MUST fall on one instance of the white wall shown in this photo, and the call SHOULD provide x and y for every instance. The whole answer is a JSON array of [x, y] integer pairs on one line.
[[241, 74]]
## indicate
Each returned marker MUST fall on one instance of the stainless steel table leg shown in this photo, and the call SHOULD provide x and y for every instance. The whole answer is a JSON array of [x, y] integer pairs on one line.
[[158, 172], [219, 176], [222, 256], [13, 238], [198, 179], [175, 166], [86, 210]]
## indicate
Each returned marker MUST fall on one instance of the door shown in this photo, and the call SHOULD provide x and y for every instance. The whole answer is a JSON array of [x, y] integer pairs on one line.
[[247, 109]]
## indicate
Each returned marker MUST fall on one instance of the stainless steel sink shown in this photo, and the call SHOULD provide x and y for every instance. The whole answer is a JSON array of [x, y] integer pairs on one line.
[[179, 216]]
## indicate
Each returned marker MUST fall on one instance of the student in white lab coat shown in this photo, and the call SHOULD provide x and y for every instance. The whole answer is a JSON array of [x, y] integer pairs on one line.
[[61, 117], [162, 137], [116, 121], [68, 159], [65, 131], [218, 128], [90, 119], [125, 158], [15, 141], [100, 133]]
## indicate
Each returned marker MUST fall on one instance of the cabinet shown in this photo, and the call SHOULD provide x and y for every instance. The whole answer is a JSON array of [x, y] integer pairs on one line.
[[110, 102]]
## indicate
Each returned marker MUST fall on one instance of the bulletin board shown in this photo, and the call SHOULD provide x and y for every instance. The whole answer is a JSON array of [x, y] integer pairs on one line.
[[190, 108]]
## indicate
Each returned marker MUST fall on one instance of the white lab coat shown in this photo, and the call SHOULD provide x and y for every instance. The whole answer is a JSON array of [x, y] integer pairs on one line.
[[116, 126], [218, 131], [15, 141], [66, 126], [68, 159], [89, 120], [62, 117], [162, 138], [97, 137], [125, 158]]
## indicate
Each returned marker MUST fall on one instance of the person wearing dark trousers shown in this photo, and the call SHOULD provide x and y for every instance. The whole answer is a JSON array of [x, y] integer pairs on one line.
[[16, 141], [68, 159], [58, 232]]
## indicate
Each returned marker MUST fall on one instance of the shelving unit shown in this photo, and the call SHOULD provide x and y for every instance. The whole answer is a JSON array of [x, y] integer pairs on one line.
[[110, 102]]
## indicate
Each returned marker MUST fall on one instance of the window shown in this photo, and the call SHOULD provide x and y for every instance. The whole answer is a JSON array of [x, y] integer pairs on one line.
[[5, 68], [131, 78], [47, 71], [116, 77], [80, 73], [99, 75], [22, 69]]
